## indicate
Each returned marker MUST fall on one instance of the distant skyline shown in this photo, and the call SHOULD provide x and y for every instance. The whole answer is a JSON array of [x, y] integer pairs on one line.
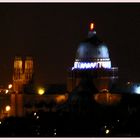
[[51, 32]]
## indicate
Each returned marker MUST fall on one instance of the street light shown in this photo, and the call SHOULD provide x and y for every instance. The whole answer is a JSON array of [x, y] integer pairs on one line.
[[8, 108], [10, 86], [107, 131], [41, 91], [6, 91]]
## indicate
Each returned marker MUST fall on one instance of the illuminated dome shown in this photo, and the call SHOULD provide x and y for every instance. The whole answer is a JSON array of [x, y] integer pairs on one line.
[[92, 53], [92, 49]]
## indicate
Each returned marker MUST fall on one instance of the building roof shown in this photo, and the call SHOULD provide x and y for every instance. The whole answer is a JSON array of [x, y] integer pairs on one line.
[[92, 48]]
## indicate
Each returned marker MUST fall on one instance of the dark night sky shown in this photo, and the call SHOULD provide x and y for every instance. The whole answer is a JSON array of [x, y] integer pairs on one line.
[[51, 34]]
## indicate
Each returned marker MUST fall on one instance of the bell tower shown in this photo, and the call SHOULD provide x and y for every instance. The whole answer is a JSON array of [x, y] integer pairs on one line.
[[23, 72], [28, 71], [17, 74]]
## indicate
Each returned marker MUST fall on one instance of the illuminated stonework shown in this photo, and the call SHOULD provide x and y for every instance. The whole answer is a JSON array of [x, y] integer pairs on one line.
[[61, 98], [107, 98], [22, 74]]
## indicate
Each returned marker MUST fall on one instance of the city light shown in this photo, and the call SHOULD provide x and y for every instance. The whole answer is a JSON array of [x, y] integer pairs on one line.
[[41, 91], [89, 65], [55, 133], [6, 91], [128, 83], [107, 131], [7, 108], [137, 89], [105, 126], [10, 86], [91, 26], [60, 98], [37, 117]]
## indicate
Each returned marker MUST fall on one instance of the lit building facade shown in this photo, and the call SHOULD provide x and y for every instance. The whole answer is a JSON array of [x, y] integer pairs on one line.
[[92, 81], [22, 73]]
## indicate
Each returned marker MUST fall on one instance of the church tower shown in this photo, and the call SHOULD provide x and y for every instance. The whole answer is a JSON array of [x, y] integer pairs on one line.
[[17, 74], [28, 71], [23, 72]]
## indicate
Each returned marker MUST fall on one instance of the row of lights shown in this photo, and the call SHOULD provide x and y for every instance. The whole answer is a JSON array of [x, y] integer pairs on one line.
[[36, 115], [89, 65], [40, 90]]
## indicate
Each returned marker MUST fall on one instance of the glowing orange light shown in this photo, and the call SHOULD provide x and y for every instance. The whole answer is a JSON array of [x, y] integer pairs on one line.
[[7, 108], [10, 86], [91, 26], [60, 98]]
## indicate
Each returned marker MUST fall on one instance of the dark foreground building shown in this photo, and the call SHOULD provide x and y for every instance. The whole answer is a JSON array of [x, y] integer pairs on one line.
[[95, 104]]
